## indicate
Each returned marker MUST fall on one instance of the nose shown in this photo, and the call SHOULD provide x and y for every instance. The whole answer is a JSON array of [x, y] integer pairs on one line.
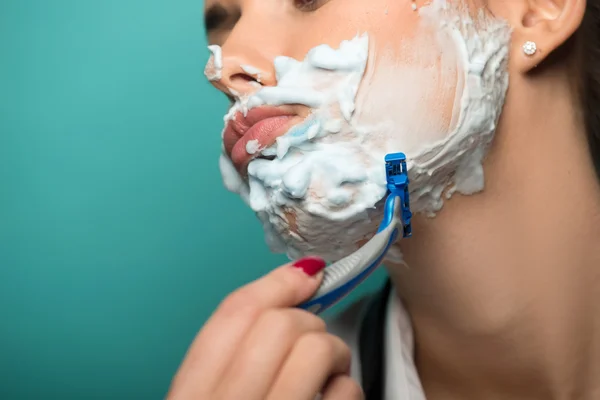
[[239, 72], [244, 63]]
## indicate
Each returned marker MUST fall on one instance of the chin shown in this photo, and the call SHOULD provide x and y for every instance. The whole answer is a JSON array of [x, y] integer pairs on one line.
[[295, 231], [321, 222]]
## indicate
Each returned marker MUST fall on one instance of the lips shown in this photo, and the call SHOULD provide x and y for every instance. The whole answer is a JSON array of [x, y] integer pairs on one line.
[[263, 124]]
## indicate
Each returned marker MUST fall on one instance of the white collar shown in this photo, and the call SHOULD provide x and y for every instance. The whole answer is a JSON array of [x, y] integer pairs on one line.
[[401, 378]]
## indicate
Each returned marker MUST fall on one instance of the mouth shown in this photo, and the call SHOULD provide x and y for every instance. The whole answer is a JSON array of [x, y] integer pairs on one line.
[[246, 136]]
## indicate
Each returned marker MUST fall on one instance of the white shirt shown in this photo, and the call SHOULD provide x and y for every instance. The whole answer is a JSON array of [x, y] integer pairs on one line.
[[401, 377]]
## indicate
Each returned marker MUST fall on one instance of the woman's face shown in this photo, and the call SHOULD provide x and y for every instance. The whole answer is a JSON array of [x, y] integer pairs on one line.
[[404, 54], [324, 89]]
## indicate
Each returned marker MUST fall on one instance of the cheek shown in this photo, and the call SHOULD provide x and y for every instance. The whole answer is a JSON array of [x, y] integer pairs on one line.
[[410, 89], [408, 94]]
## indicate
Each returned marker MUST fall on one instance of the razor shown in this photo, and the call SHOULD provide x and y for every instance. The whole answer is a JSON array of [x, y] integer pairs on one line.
[[343, 276]]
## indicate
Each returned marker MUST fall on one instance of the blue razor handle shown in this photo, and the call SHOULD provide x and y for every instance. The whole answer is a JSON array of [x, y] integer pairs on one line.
[[341, 277]]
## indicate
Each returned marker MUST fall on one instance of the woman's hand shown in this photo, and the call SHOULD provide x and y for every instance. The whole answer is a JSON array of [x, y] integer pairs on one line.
[[256, 346]]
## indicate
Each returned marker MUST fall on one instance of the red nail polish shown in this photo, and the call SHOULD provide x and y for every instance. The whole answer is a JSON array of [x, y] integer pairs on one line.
[[310, 265]]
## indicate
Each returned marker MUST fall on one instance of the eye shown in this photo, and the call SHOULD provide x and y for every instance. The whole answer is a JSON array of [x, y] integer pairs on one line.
[[308, 5]]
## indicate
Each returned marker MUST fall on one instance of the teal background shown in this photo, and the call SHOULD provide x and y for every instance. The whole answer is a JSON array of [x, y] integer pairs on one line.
[[117, 238]]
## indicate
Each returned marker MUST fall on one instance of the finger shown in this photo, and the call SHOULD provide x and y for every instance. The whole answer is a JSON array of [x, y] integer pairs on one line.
[[286, 286], [264, 351], [313, 360], [218, 340], [342, 387]]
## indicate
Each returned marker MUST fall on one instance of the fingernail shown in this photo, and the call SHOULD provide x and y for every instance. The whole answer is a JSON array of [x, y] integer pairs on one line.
[[310, 265]]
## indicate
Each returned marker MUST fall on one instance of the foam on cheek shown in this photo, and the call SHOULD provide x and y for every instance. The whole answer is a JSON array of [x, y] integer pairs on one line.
[[457, 161], [403, 102], [340, 183], [324, 76]]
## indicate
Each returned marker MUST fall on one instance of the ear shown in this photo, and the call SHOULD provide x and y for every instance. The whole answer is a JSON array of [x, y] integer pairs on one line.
[[545, 23]]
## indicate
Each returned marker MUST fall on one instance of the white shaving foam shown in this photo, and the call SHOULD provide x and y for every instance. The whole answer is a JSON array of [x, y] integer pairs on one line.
[[214, 68], [252, 146], [456, 162]]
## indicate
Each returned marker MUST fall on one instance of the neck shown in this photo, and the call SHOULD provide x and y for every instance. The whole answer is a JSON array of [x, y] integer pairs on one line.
[[504, 287]]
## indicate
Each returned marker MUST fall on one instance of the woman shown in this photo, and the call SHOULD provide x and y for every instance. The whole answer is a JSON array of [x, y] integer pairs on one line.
[[501, 296]]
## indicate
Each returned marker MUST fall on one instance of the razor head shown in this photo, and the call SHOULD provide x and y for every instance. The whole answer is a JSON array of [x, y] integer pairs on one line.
[[396, 174], [395, 169]]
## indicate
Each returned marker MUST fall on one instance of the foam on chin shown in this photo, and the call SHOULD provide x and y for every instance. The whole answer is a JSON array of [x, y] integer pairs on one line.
[[320, 195]]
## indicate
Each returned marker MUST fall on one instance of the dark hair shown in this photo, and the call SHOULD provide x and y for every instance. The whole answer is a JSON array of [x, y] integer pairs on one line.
[[589, 63]]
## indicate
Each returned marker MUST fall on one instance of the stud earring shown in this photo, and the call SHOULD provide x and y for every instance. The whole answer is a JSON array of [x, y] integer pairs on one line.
[[529, 48]]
